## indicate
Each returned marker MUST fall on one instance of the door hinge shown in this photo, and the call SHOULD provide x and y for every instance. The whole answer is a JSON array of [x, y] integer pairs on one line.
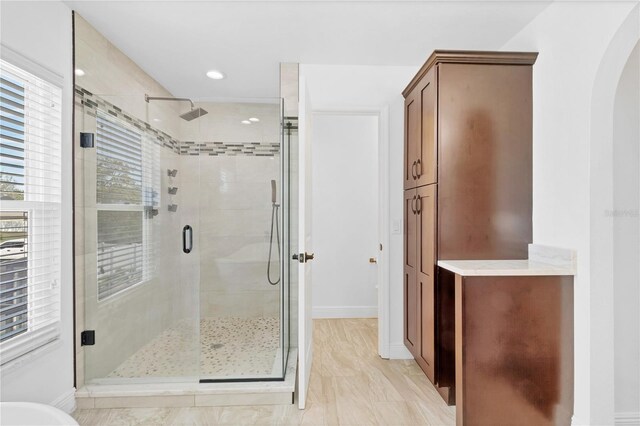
[[88, 338], [87, 140]]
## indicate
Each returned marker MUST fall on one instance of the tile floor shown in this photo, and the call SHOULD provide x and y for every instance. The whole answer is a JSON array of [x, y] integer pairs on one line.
[[349, 385], [224, 350]]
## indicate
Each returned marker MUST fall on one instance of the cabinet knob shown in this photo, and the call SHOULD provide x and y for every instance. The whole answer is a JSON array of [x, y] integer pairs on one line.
[[373, 260], [418, 172], [413, 171]]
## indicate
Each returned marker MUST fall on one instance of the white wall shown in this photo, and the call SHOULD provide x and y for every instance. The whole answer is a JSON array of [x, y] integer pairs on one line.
[[574, 84], [626, 239], [335, 87], [41, 31], [345, 215]]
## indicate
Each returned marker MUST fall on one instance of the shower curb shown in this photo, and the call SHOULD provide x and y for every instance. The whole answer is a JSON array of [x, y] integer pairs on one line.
[[190, 394]]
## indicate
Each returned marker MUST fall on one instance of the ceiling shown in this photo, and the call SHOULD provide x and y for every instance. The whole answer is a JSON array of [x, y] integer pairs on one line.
[[176, 42]]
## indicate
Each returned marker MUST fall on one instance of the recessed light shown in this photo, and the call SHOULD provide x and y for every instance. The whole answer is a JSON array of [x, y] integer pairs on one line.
[[215, 74], [254, 119], [157, 120], [245, 122], [79, 72]]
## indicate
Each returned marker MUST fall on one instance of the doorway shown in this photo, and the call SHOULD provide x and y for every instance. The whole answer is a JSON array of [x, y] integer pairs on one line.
[[346, 201]]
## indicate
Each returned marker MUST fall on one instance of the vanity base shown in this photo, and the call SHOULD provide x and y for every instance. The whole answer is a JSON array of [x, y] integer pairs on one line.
[[514, 350]]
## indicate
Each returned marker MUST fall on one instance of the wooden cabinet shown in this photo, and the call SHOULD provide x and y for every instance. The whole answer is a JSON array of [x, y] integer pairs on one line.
[[426, 218], [411, 302], [420, 134], [535, 332], [419, 312], [468, 186]]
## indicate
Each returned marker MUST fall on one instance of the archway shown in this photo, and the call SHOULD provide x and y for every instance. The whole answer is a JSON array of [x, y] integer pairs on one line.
[[601, 184], [626, 240]]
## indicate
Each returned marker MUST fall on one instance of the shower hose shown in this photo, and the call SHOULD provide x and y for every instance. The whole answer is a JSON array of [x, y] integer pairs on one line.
[[274, 222]]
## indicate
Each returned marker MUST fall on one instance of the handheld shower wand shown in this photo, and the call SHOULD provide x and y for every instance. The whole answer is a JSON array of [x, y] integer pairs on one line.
[[273, 191], [274, 221]]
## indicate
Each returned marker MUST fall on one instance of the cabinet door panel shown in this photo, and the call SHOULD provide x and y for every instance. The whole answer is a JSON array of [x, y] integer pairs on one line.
[[412, 139], [426, 357], [426, 215], [411, 304], [427, 153], [410, 286]]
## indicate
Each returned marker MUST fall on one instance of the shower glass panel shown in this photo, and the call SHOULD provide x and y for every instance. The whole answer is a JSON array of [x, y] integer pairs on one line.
[[242, 326], [183, 233], [141, 288]]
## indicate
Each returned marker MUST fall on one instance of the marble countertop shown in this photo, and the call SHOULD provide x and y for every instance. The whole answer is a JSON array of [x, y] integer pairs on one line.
[[522, 267], [543, 260]]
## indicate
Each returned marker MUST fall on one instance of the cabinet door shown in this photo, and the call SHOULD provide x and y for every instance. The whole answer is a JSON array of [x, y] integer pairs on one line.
[[425, 275], [412, 135], [411, 293], [426, 160]]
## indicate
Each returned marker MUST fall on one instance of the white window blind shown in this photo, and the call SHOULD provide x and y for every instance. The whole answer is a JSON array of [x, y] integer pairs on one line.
[[30, 202], [128, 182]]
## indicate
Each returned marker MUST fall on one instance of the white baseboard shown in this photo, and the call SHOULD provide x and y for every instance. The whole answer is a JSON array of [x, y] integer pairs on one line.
[[66, 402], [628, 419], [344, 312], [399, 351]]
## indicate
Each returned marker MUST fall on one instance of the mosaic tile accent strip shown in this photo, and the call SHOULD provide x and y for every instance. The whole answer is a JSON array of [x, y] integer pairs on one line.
[[229, 347], [256, 149], [93, 103]]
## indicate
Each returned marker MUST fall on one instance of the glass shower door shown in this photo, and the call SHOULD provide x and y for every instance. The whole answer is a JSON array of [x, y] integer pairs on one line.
[[139, 251], [242, 285]]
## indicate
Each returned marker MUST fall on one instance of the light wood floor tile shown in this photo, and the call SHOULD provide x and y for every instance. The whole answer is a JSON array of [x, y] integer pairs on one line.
[[139, 416], [349, 385], [397, 413], [196, 416], [312, 415]]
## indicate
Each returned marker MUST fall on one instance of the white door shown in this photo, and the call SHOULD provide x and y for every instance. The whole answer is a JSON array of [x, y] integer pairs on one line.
[[345, 214], [305, 325]]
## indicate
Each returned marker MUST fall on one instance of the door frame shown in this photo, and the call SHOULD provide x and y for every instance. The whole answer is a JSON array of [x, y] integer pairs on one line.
[[382, 113]]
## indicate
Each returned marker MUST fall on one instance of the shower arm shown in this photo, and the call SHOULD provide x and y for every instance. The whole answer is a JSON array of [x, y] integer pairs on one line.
[[148, 98]]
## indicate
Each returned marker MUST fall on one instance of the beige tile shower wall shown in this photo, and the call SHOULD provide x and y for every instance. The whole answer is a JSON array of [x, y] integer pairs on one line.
[[233, 196], [223, 123], [124, 322], [110, 74]]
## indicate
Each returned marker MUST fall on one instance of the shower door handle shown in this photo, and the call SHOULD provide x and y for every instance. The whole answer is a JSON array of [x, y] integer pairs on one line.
[[185, 248]]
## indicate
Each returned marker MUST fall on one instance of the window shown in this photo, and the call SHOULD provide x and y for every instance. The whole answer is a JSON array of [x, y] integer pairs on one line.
[[128, 174], [30, 201]]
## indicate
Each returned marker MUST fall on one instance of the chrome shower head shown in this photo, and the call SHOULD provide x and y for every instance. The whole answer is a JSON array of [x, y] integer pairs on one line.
[[193, 114]]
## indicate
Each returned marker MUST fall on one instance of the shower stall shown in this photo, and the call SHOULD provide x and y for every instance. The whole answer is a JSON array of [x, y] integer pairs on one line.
[[183, 230]]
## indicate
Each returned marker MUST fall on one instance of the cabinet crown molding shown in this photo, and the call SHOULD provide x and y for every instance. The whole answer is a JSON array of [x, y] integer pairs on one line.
[[470, 57]]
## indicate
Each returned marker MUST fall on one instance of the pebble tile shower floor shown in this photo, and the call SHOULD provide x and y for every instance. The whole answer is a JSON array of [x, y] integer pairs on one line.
[[229, 348]]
